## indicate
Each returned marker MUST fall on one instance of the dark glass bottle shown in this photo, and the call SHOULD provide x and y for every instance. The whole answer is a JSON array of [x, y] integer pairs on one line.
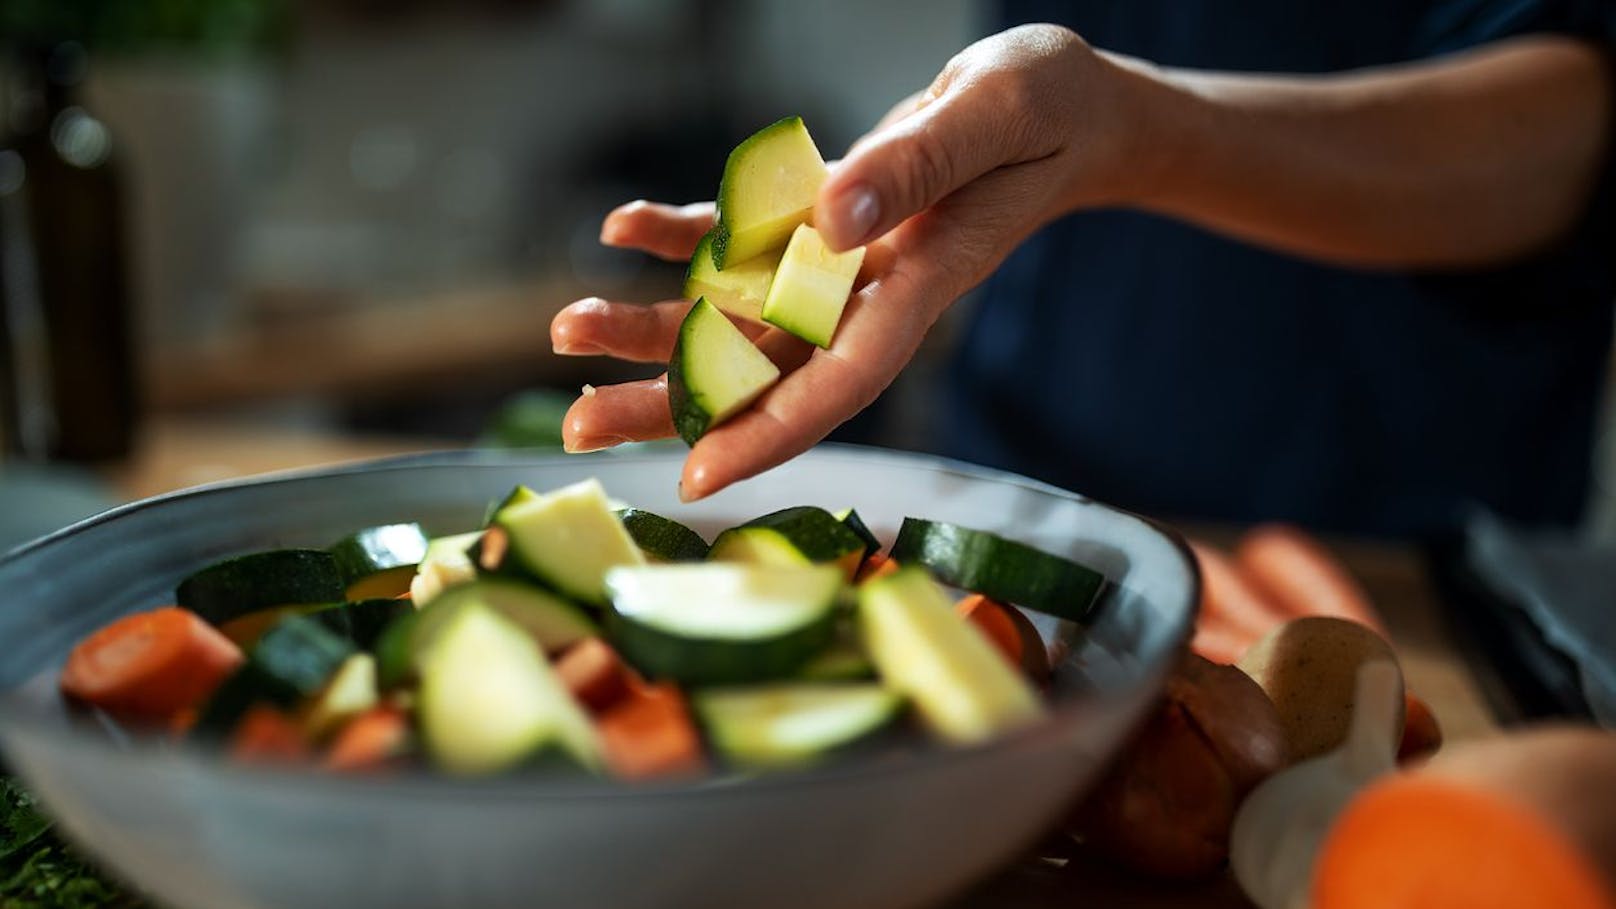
[[75, 226]]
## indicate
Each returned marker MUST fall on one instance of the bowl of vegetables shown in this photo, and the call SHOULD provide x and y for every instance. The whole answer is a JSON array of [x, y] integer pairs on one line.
[[478, 679]]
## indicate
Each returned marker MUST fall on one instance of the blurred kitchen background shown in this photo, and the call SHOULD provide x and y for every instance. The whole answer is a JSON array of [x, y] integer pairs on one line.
[[345, 226]]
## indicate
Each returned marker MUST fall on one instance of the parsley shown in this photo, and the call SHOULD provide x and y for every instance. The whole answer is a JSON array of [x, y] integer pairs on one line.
[[39, 871]]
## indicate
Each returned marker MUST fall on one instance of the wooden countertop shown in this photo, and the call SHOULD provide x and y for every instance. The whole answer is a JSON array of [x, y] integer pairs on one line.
[[183, 453]]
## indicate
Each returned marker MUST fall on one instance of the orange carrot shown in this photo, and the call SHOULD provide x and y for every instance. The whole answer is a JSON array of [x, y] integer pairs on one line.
[[265, 735], [371, 740], [594, 673], [649, 735], [1219, 642], [1299, 575], [1010, 632], [1228, 596], [1421, 734], [1421, 843], [877, 565], [150, 665]]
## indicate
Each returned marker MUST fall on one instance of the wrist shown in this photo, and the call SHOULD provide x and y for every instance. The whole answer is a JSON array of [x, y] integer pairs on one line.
[[1161, 124]]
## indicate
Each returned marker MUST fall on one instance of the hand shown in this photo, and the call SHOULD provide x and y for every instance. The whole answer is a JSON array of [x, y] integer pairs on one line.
[[1018, 129]]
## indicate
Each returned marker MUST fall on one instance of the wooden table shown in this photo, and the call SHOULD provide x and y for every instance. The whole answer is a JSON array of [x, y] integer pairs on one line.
[[176, 454]]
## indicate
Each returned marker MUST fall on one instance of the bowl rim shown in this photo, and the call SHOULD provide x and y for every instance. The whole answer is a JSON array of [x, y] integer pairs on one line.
[[168, 756]]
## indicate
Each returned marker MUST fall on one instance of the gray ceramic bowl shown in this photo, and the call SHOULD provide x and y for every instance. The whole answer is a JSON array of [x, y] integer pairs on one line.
[[903, 830]]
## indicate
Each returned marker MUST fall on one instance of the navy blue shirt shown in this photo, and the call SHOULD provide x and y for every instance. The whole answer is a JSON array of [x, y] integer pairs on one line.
[[1165, 369]]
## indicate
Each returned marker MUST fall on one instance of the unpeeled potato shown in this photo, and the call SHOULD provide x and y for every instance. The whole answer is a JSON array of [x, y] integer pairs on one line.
[[1308, 667], [1165, 806]]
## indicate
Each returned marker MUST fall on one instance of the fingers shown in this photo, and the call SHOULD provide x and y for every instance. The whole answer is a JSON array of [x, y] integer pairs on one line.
[[614, 414], [666, 231], [627, 331]]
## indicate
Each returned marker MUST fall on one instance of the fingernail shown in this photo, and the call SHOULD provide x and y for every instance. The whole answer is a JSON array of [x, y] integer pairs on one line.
[[585, 446], [858, 209], [578, 349]]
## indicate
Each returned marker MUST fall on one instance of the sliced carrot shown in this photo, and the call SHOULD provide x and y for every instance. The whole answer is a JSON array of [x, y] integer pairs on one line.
[[492, 547], [877, 565], [1420, 843], [1219, 642], [150, 665], [265, 735], [1010, 632], [1298, 574], [373, 740], [1228, 596], [1421, 733], [649, 735], [594, 673]]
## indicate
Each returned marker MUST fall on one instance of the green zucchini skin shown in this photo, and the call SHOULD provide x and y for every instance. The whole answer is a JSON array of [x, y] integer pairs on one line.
[[851, 518], [362, 622], [376, 549], [761, 726], [814, 533], [663, 538], [282, 577], [1001, 569], [705, 661], [292, 661], [690, 419]]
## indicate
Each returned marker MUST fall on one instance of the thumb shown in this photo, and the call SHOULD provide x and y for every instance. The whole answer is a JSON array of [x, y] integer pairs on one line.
[[906, 167]]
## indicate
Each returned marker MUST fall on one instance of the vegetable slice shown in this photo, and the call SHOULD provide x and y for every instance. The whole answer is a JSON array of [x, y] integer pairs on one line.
[[370, 741], [568, 539], [447, 562], [150, 665], [282, 577], [768, 188], [801, 535], [649, 735], [663, 539], [792, 723], [351, 691], [489, 700], [715, 372], [964, 690], [379, 561], [1001, 569], [851, 518], [718, 623], [738, 290], [811, 287], [363, 622]]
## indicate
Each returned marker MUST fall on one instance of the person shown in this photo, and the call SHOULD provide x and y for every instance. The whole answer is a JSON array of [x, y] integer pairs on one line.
[[1366, 295]]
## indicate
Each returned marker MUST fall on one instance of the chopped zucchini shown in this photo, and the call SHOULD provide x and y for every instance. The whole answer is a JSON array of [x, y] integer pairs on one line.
[[350, 692], [516, 496], [362, 622], [662, 539], [379, 561], [1000, 569], [568, 539], [811, 287], [722, 623], [715, 372], [801, 535], [281, 577], [851, 518], [447, 562], [738, 290], [769, 185], [490, 701], [792, 723], [291, 661], [962, 688], [842, 661]]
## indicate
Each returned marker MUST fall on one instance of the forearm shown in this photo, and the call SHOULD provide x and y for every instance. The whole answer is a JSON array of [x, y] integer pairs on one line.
[[1471, 159]]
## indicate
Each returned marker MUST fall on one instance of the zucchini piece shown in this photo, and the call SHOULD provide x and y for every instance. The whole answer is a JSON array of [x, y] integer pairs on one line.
[[249, 583], [715, 372], [1000, 569], [769, 185], [663, 539], [245, 630], [811, 287], [379, 561], [568, 539], [351, 691], [850, 517], [362, 622], [292, 661], [792, 723], [447, 562], [516, 496], [395, 652], [842, 661], [490, 701], [722, 623], [237, 694], [963, 689], [738, 290], [800, 535]]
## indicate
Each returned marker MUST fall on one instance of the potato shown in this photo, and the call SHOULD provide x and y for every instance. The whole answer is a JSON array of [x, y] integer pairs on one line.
[[1308, 667], [1165, 806]]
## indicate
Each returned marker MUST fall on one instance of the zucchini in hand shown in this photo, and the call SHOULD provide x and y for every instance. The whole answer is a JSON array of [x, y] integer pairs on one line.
[[769, 185], [738, 290], [811, 287], [715, 372]]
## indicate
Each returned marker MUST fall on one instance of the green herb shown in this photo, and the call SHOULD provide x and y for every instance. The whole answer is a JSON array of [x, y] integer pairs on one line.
[[39, 871]]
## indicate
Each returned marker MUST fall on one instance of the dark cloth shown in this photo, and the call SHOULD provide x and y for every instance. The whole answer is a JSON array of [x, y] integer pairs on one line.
[[1165, 369]]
